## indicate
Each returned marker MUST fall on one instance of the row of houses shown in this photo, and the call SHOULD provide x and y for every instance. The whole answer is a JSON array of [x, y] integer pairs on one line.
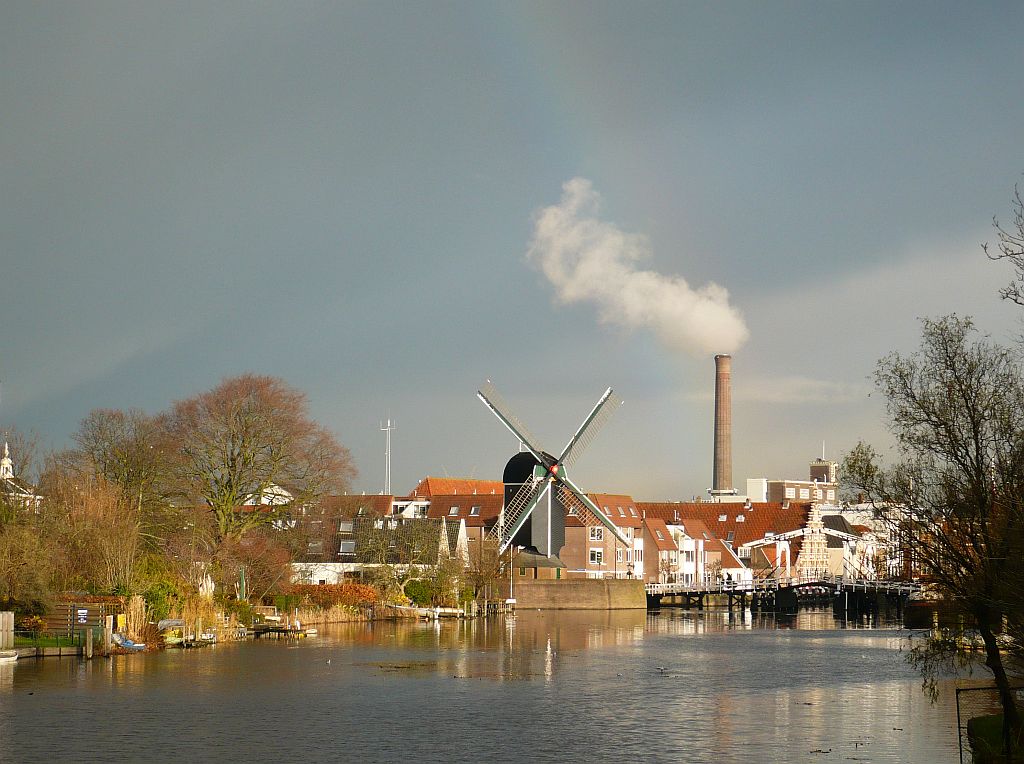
[[667, 542]]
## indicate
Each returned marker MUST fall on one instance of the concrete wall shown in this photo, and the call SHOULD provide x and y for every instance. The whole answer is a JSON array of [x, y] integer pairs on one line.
[[578, 594]]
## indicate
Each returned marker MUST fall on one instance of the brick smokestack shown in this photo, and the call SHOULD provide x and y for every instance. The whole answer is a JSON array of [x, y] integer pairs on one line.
[[722, 482]]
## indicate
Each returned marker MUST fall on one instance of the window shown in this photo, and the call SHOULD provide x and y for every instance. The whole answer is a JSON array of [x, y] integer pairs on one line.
[[632, 511], [741, 519], [730, 536], [687, 555], [769, 534], [347, 547], [744, 553], [453, 511], [361, 511], [596, 556], [622, 512], [831, 495], [596, 534], [474, 511], [790, 492], [639, 555], [629, 555], [722, 518], [346, 526], [618, 555], [817, 493], [805, 493], [660, 535]]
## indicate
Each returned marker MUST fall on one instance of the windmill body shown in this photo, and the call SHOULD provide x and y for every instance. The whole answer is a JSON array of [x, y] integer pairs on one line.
[[538, 491]]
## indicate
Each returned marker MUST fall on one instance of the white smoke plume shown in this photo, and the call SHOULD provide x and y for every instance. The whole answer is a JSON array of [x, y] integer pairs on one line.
[[587, 259]]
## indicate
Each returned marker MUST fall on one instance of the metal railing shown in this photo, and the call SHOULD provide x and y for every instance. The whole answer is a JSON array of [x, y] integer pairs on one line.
[[772, 584], [47, 638]]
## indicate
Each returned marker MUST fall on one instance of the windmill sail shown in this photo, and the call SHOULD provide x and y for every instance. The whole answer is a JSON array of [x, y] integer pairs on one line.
[[579, 499], [534, 514], [591, 426], [491, 398]]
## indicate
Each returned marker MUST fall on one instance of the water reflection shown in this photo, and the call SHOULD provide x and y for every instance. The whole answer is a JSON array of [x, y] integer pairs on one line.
[[677, 686]]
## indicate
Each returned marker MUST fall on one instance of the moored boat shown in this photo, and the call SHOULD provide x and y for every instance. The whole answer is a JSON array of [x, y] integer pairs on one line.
[[8, 656]]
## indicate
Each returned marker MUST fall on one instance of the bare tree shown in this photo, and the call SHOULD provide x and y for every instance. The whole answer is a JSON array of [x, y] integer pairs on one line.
[[24, 565], [955, 498], [124, 447], [485, 567], [240, 443], [96, 532], [1010, 246], [394, 551]]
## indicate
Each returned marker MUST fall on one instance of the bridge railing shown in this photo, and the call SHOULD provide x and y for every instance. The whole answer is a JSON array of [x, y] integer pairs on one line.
[[770, 584]]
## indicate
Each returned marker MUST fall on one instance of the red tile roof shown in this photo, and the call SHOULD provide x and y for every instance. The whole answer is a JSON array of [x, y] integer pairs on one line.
[[348, 505], [656, 526], [723, 518], [489, 507], [610, 503], [443, 486]]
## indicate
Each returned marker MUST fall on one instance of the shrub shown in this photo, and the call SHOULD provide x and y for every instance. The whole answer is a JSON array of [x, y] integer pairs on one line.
[[33, 624], [328, 595], [420, 592]]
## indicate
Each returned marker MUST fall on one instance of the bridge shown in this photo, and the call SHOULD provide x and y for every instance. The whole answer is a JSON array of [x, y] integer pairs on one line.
[[846, 594]]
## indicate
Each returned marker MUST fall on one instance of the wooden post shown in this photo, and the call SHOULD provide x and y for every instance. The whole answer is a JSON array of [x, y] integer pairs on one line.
[[88, 642], [6, 629], [108, 634]]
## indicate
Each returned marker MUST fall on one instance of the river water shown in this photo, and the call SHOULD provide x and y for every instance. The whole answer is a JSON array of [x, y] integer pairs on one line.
[[679, 686]]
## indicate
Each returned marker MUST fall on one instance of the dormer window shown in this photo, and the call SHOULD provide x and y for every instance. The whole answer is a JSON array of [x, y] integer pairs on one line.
[[741, 519], [722, 518]]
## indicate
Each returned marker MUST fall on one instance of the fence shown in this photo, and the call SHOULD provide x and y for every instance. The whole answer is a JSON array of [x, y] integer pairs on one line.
[[972, 702], [47, 638]]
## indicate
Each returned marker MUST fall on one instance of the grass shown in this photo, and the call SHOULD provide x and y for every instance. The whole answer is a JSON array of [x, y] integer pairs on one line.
[[986, 736], [44, 640]]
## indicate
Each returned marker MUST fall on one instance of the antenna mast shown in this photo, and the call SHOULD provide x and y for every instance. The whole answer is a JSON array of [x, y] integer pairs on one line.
[[387, 455]]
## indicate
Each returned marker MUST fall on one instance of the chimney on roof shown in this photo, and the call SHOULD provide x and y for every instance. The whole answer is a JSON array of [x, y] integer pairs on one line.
[[722, 478]]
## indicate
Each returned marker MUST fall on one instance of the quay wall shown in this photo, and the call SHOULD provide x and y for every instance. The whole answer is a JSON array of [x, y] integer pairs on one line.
[[579, 594]]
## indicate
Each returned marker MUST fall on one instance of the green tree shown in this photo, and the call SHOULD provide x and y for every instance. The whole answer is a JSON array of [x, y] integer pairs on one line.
[[954, 498]]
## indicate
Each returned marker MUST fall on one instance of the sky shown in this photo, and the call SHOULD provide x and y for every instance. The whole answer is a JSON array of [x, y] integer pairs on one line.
[[386, 204]]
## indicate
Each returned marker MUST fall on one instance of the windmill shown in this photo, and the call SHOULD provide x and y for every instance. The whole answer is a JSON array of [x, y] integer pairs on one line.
[[538, 490]]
